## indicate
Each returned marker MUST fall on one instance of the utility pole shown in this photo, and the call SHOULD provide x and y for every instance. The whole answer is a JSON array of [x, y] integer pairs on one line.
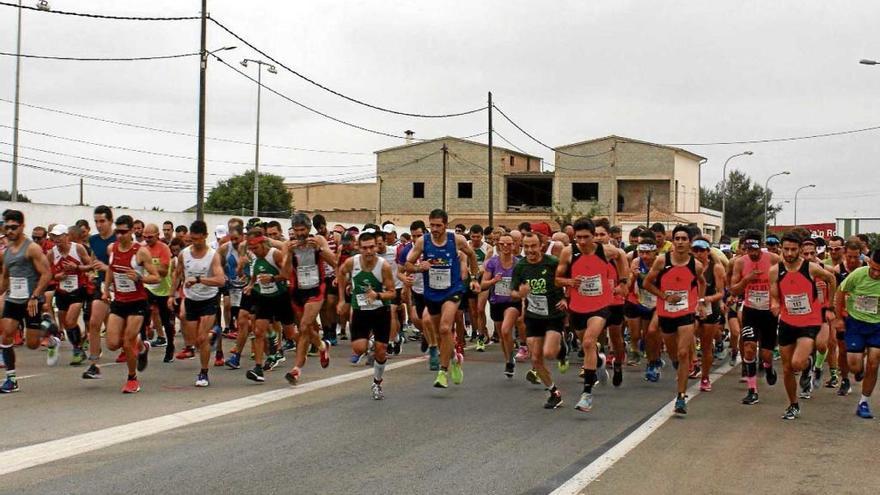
[[445, 161], [15, 111], [491, 205], [203, 61], [81, 192], [257, 147], [648, 210]]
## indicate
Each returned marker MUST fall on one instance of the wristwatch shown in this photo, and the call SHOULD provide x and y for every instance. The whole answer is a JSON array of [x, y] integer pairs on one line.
[[198, 279]]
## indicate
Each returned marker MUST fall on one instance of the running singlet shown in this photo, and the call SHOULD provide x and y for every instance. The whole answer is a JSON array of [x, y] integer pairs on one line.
[[126, 289], [481, 251], [500, 292], [99, 245], [543, 294], [593, 291], [637, 293], [418, 284], [680, 281], [23, 277], [443, 279], [160, 254], [267, 265], [198, 267], [863, 295], [308, 268], [390, 257], [613, 280], [72, 281], [798, 297], [757, 292], [364, 280]]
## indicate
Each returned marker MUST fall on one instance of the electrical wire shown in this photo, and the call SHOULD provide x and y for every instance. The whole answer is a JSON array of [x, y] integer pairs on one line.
[[99, 16], [49, 187], [533, 138], [337, 93], [783, 139], [114, 180], [101, 59]]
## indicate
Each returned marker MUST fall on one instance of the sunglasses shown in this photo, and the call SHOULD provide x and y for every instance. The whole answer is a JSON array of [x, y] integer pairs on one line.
[[122, 231], [11, 226], [37, 238]]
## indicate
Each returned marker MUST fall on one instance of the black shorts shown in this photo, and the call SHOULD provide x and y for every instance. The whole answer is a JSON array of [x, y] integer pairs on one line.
[[538, 327], [375, 321], [637, 311], [670, 325], [714, 318], [195, 310], [497, 310], [18, 312], [64, 300], [789, 334], [155, 300], [436, 307], [465, 302], [276, 308], [131, 308], [764, 324], [615, 315], [247, 302], [419, 301], [398, 299], [578, 321], [301, 297], [224, 290]]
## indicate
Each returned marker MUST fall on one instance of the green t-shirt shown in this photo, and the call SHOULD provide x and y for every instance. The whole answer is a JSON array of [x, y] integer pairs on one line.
[[544, 295], [863, 294]]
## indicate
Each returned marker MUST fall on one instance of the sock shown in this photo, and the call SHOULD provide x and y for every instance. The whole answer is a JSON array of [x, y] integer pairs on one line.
[[132, 376], [589, 380], [751, 368], [258, 367], [864, 399], [444, 369], [512, 357], [9, 360], [820, 359], [795, 405], [563, 351], [552, 388], [204, 371], [378, 370], [680, 395], [752, 382], [74, 334], [809, 366]]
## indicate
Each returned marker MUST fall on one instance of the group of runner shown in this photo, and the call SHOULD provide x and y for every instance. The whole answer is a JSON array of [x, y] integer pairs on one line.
[[580, 290]]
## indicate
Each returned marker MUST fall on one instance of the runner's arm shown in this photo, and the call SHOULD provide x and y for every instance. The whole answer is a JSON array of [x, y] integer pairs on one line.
[[342, 278], [720, 284], [388, 284], [465, 247], [414, 254], [818, 271], [218, 276], [651, 278], [562, 269], [701, 279], [773, 276], [286, 263], [737, 281], [326, 253], [84, 258], [41, 265], [144, 258]]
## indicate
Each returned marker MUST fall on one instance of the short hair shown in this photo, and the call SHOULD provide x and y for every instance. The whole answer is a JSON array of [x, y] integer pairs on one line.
[[647, 237], [181, 229], [177, 242], [406, 237], [319, 221], [168, 222], [792, 237], [418, 224], [486, 231], [584, 223], [682, 228], [125, 220], [139, 221], [527, 235], [658, 227], [274, 224], [386, 222], [199, 227], [461, 226], [853, 245], [299, 219], [14, 215], [104, 210], [875, 255], [695, 229], [40, 228], [752, 234], [725, 239], [367, 236], [476, 229], [82, 222], [236, 221], [864, 239], [439, 213], [615, 229], [74, 230], [524, 227], [636, 232], [604, 223], [837, 238], [371, 226]]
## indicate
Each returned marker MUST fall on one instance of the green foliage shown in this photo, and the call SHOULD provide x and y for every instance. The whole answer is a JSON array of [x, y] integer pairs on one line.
[[236, 195], [745, 203], [7, 196], [563, 214]]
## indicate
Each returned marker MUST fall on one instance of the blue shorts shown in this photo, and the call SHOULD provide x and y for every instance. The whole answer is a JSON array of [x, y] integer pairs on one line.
[[860, 334]]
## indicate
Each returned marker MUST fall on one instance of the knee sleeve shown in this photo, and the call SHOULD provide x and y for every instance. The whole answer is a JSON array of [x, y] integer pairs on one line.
[[748, 334], [751, 368]]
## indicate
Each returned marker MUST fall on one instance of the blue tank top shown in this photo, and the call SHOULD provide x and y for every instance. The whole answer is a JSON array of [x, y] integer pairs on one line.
[[99, 248], [231, 264], [443, 279]]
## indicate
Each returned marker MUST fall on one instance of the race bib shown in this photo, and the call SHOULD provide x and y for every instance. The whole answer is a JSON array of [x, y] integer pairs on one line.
[[681, 305], [364, 302], [123, 283], [267, 288], [866, 304], [439, 278], [759, 299], [18, 288], [235, 297], [307, 277], [502, 288], [69, 283], [797, 304], [705, 308], [418, 285], [647, 299], [590, 286], [537, 305]]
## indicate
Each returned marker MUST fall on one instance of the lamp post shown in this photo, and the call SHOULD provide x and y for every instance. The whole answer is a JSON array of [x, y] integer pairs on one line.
[[271, 69], [866, 61], [795, 200], [724, 188], [766, 198]]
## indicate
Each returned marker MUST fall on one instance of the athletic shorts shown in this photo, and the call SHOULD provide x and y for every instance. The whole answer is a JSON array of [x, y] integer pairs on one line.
[[669, 325], [398, 298], [789, 334], [466, 301], [195, 310], [98, 284], [764, 324], [276, 308], [155, 300], [224, 290], [713, 318], [328, 282], [18, 312], [615, 315], [633, 311], [376, 322], [578, 321], [130, 308], [301, 297], [859, 335], [419, 301], [538, 327], [497, 310], [436, 307], [64, 300], [247, 302]]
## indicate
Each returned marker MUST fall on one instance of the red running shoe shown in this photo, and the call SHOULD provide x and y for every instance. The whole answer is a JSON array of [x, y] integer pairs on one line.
[[186, 353], [131, 387], [325, 354], [121, 357], [218, 359]]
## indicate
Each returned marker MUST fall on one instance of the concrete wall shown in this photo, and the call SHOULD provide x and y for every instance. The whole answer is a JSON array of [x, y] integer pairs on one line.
[[326, 197], [687, 173], [635, 194]]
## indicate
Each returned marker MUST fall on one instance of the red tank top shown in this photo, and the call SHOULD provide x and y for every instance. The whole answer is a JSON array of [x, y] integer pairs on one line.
[[73, 280], [593, 293], [613, 279], [124, 288], [798, 297], [757, 293], [681, 281]]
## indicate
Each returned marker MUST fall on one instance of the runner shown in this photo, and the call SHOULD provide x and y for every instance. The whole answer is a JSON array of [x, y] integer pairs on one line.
[[158, 294], [534, 282], [99, 244], [26, 275], [852, 259], [710, 317], [477, 304], [416, 283], [370, 281], [677, 280], [614, 323], [329, 318], [70, 266], [441, 269], [641, 306], [167, 231], [504, 311], [795, 299], [389, 254], [813, 377]]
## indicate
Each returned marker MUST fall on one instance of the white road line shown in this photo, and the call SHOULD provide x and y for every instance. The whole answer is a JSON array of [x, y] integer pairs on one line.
[[25, 377], [591, 473], [34, 455]]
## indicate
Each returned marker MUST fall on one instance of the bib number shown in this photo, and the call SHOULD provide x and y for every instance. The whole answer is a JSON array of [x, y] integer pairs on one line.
[[307, 277], [69, 283], [268, 288], [502, 288], [866, 304], [590, 286], [439, 278], [18, 288], [123, 284], [797, 304], [537, 305], [364, 302], [681, 305], [647, 299], [235, 297], [759, 299]]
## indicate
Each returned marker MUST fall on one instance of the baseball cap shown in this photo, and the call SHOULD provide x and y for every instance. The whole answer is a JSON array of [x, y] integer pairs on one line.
[[541, 228], [388, 228], [58, 229], [221, 231]]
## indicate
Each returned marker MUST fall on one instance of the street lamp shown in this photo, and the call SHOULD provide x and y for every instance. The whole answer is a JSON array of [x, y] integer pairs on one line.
[[795, 200], [724, 189], [766, 185], [774, 218], [271, 69], [42, 5], [866, 61]]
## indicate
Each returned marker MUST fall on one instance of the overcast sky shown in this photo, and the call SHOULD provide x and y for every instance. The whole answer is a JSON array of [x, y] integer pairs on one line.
[[666, 72]]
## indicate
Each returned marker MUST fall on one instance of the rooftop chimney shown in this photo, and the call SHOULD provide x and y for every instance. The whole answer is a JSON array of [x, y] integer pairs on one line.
[[409, 136]]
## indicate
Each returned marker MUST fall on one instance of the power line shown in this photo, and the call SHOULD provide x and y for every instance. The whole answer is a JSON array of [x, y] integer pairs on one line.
[[101, 59], [337, 93], [783, 139], [49, 187], [533, 138], [99, 16], [95, 177], [388, 170]]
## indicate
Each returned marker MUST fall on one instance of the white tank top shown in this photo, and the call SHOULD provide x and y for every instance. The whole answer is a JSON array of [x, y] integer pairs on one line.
[[390, 257], [200, 267]]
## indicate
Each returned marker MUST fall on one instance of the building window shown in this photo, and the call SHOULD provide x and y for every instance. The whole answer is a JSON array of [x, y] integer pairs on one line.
[[585, 191], [418, 190], [465, 190], [512, 162]]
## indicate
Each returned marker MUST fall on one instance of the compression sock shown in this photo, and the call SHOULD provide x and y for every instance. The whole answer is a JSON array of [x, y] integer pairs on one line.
[[589, 380], [378, 370], [820, 359], [752, 375]]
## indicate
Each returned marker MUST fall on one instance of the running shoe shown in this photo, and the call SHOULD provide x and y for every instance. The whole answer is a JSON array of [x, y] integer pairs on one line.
[[695, 372], [355, 359], [522, 354], [441, 381], [751, 398], [581, 373], [456, 371], [434, 359], [770, 375], [563, 365], [424, 345], [218, 359], [554, 401], [121, 357], [635, 357], [833, 381], [791, 413], [376, 389], [78, 357], [859, 376], [289, 345], [817, 378], [532, 377], [776, 354], [369, 358], [255, 374], [325, 354], [652, 374], [806, 383], [186, 353], [681, 406], [270, 363], [705, 385], [92, 373], [617, 378], [509, 370], [131, 386], [53, 351], [845, 387], [601, 371], [586, 403], [333, 341], [733, 355], [202, 380], [169, 354], [292, 376], [142, 360], [862, 411], [158, 342], [233, 362], [9, 386], [480, 346]]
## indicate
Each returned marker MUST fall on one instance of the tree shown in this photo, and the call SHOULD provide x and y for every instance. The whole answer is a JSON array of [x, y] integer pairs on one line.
[[236, 195], [745, 203], [562, 214], [7, 196]]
